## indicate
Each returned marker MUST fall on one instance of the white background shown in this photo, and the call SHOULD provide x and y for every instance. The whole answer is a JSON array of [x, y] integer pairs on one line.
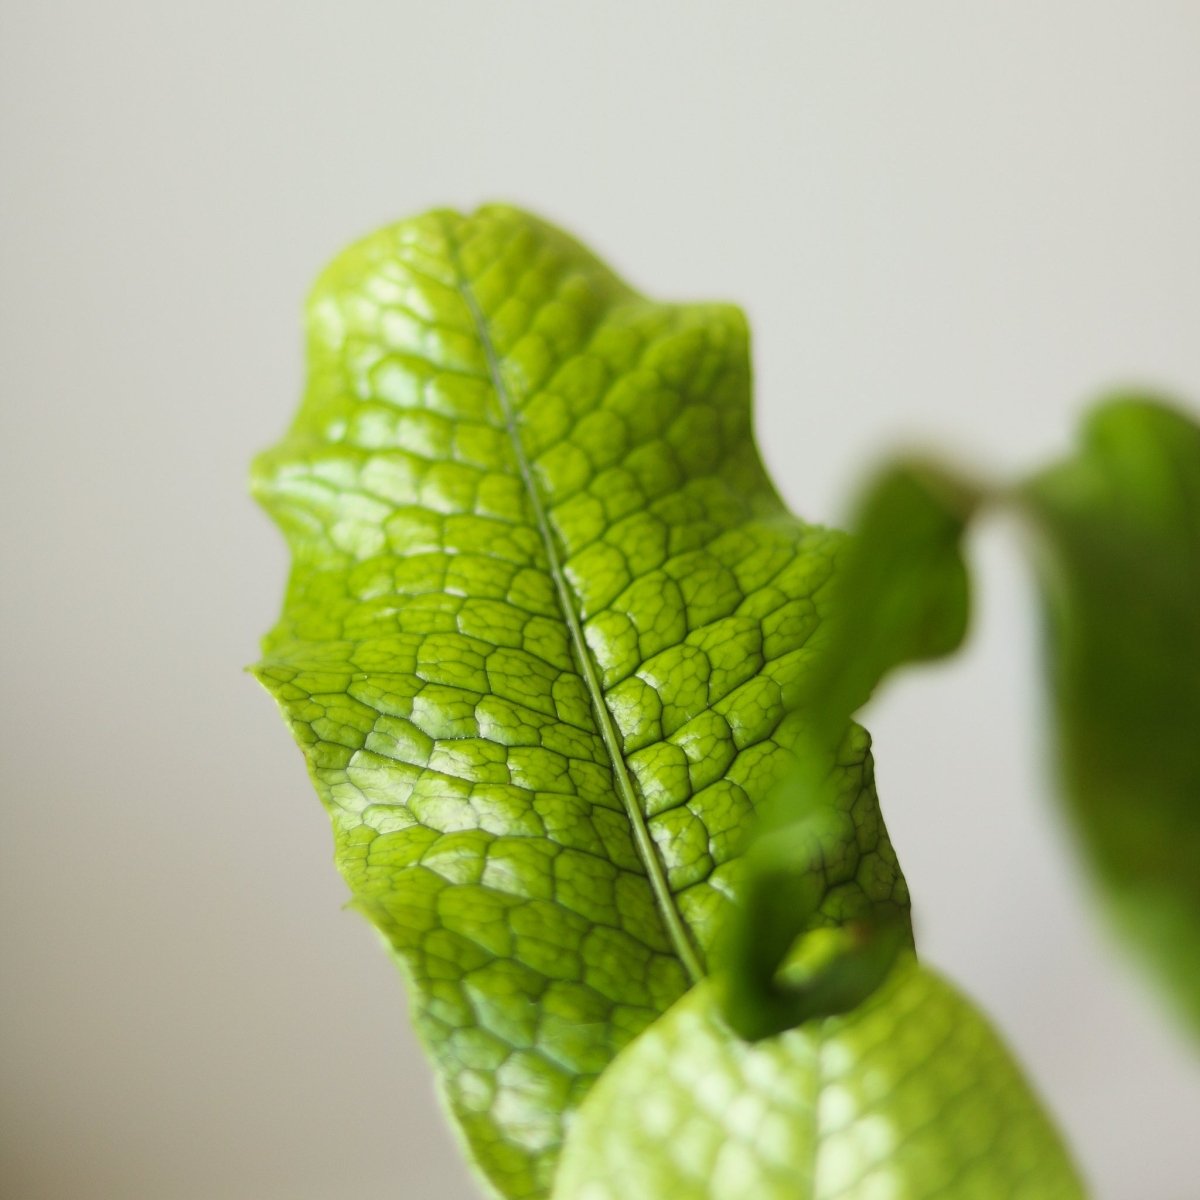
[[952, 223]]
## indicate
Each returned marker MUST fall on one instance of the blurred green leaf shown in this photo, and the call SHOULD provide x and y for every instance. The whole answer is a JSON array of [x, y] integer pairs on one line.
[[1116, 533], [900, 595], [823, 908], [912, 1096], [1117, 539]]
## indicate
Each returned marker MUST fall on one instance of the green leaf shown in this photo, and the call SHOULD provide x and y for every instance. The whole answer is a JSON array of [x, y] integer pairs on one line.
[[1117, 531], [910, 1097], [900, 596], [821, 911], [903, 593], [542, 645]]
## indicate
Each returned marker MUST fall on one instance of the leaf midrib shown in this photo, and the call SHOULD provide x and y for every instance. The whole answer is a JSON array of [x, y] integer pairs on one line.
[[677, 931]]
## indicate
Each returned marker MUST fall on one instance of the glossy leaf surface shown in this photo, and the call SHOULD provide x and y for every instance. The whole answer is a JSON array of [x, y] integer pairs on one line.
[[542, 645], [910, 1097]]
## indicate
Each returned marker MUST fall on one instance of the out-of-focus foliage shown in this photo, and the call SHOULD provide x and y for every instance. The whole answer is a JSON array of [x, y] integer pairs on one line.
[[1117, 550], [1115, 530], [900, 596], [911, 1096]]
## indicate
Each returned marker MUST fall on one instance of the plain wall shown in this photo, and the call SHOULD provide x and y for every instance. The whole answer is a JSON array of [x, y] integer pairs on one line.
[[950, 223]]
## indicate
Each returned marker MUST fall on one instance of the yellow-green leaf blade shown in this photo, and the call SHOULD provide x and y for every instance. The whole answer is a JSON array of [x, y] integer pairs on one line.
[[910, 1097], [544, 627]]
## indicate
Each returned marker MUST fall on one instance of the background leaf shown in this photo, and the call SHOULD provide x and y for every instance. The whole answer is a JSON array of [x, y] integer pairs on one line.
[[911, 1097], [900, 596], [1117, 535], [820, 915], [903, 593]]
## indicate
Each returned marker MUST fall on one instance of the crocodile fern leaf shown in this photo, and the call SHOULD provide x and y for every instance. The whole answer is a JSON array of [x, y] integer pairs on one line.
[[545, 630]]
